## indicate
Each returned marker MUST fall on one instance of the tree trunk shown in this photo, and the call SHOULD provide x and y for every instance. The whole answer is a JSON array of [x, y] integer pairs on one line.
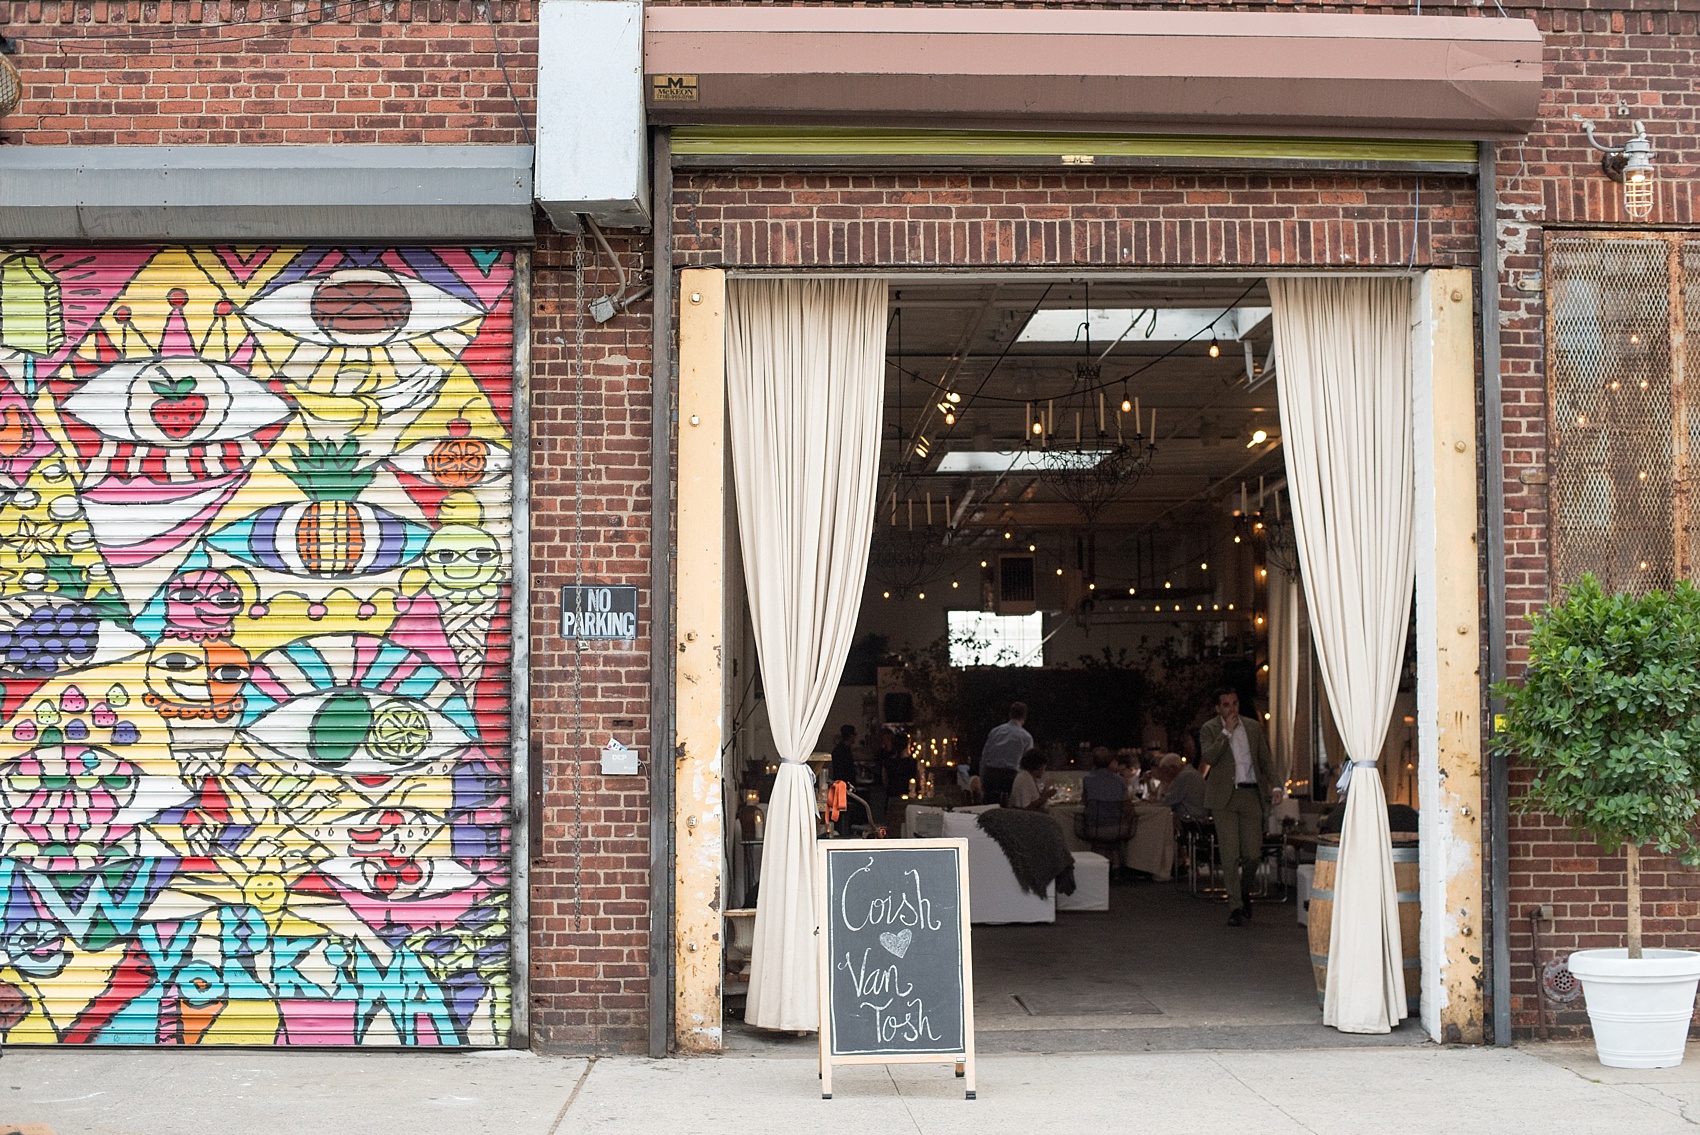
[[1633, 862]]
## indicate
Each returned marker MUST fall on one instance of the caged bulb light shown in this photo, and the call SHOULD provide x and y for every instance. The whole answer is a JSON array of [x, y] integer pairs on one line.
[[1630, 164]]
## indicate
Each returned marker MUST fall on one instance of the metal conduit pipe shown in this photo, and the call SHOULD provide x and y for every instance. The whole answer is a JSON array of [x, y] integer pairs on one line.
[[662, 754], [1493, 454]]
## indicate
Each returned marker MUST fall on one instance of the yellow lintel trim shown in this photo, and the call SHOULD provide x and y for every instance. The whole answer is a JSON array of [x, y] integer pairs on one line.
[[818, 141]]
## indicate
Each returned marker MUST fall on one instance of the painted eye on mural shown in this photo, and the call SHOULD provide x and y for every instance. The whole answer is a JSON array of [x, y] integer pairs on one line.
[[359, 732], [454, 462], [446, 556], [38, 948], [360, 307], [218, 600], [175, 403]]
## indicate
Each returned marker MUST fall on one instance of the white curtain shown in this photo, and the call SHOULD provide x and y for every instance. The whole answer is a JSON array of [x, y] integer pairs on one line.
[[805, 370], [1283, 665], [1345, 390]]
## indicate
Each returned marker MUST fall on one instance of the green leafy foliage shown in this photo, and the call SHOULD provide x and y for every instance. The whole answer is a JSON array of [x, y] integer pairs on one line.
[[330, 471], [1608, 716]]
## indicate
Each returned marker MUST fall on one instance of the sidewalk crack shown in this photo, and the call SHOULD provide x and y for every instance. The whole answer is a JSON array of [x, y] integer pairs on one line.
[[561, 1116], [1676, 1102], [1241, 1082], [913, 1122]]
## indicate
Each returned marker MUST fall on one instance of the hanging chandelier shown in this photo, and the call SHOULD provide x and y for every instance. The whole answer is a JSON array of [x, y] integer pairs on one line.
[[908, 550], [1098, 451]]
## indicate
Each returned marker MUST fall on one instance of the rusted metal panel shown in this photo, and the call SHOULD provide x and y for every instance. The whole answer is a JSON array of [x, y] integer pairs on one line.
[[1618, 418], [255, 521], [699, 815]]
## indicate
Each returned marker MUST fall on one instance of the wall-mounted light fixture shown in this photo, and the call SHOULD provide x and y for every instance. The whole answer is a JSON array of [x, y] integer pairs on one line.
[[1632, 165]]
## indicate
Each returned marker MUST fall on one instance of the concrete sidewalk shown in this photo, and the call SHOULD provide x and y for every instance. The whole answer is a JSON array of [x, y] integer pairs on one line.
[[1549, 1089]]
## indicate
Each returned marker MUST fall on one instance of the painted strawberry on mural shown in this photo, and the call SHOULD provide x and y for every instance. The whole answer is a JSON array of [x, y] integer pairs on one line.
[[179, 409]]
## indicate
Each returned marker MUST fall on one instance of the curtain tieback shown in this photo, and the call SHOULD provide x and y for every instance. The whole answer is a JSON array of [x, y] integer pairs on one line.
[[1346, 774]]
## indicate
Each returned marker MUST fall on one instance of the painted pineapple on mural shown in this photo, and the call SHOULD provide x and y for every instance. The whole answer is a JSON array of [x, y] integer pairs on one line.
[[253, 593]]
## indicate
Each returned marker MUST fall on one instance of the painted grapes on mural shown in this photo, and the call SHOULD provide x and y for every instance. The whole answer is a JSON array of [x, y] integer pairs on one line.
[[254, 645]]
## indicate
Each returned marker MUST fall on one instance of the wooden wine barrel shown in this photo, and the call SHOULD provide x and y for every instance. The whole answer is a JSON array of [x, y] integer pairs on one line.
[[1405, 874]]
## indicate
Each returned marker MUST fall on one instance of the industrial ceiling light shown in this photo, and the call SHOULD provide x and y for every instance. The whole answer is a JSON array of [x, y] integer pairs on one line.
[[1258, 437], [1631, 164]]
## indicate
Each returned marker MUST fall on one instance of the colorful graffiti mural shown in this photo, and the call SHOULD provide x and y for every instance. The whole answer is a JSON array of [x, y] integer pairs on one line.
[[254, 645]]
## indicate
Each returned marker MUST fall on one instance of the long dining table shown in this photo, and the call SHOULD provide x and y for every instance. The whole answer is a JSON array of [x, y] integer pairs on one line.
[[1152, 848]]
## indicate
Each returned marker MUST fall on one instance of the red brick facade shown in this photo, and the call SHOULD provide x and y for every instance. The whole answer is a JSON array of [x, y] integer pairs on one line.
[[589, 941], [130, 73], [1086, 220], [1551, 182], [110, 73]]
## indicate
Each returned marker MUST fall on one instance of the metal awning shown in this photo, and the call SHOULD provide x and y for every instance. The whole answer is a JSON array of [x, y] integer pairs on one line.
[[344, 193], [1118, 71]]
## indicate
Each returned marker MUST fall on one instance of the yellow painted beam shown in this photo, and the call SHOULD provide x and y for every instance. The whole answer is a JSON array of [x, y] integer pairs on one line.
[[699, 819], [1453, 837]]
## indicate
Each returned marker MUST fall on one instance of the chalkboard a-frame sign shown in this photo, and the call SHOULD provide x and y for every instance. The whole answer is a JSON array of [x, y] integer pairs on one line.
[[896, 968]]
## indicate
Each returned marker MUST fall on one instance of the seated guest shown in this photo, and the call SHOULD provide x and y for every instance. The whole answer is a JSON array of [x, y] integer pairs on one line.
[[1026, 792], [1104, 792], [1183, 788]]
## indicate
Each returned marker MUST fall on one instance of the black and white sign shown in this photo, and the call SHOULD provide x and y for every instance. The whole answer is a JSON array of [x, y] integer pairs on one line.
[[594, 611], [896, 974]]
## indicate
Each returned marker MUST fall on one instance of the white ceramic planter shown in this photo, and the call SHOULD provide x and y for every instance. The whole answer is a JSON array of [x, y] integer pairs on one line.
[[1639, 1007]]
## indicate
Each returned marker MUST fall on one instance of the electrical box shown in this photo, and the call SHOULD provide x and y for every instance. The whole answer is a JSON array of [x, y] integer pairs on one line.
[[592, 143], [618, 760]]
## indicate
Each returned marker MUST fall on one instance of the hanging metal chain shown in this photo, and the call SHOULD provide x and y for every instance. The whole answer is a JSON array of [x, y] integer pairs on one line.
[[578, 579]]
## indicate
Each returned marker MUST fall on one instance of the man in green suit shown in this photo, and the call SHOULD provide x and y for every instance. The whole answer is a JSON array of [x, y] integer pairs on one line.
[[1239, 781]]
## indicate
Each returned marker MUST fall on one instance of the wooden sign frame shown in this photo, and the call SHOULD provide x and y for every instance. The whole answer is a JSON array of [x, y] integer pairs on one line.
[[964, 1060]]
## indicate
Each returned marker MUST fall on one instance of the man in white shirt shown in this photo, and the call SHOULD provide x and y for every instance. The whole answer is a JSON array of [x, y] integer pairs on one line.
[[1001, 755], [1238, 782]]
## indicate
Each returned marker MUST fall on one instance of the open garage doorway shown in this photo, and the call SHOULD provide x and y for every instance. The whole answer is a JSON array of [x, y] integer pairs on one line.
[[1083, 507]]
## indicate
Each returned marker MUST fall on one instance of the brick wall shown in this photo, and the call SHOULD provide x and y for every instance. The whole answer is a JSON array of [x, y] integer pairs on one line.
[[1089, 219], [1552, 181], [590, 889], [109, 73]]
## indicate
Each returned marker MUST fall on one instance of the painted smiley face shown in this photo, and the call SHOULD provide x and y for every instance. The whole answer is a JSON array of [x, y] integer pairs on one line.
[[462, 558], [201, 604], [196, 675]]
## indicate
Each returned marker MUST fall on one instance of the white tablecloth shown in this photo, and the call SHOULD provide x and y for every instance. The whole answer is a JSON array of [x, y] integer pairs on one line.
[[1152, 848]]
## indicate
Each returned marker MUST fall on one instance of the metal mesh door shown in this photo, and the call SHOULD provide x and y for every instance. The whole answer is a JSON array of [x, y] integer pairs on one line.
[[1620, 437]]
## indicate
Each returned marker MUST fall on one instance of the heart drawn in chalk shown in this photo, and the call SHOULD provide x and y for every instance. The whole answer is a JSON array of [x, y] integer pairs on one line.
[[897, 943]]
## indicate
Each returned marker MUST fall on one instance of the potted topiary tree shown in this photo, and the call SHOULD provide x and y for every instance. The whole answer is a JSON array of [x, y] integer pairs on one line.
[[1608, 716]]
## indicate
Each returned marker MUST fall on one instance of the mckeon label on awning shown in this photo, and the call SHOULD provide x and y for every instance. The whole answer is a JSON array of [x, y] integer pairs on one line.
[[593, 611]]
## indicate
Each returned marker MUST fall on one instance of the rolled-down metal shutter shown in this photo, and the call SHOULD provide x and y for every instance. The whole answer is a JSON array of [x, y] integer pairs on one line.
[[255, 517]]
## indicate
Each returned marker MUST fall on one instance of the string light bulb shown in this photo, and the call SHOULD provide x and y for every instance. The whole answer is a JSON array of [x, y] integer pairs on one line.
[[1127, 404], [1215, 344], [950, 417]]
